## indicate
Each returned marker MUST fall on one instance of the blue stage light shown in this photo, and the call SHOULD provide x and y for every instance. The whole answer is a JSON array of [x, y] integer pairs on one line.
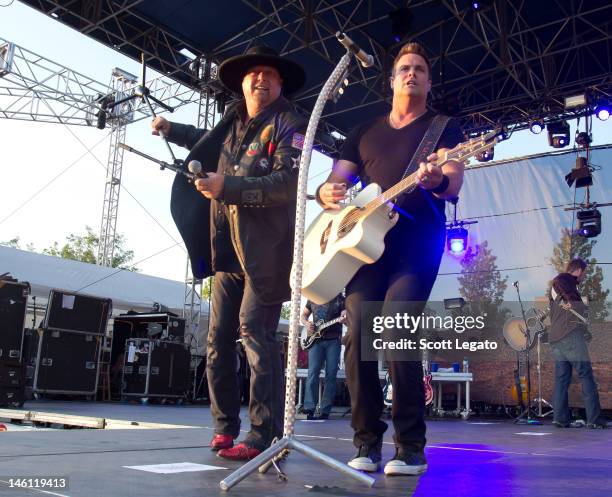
[[456, 240], [536, 126], [602, 112]]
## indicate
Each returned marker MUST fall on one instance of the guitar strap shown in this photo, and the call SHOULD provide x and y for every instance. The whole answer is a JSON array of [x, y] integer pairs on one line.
[[429, 141]]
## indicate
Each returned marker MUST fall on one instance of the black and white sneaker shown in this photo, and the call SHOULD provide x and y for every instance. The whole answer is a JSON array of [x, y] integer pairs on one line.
[[406, 463], [367, 458]]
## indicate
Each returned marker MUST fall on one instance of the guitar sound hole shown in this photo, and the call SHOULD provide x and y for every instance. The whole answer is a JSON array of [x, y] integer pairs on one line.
[[325, 238], [346, 227]]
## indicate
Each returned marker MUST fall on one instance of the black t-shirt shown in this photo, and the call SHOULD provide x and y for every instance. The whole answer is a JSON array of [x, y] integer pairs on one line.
[[382, 154], [326, 312]]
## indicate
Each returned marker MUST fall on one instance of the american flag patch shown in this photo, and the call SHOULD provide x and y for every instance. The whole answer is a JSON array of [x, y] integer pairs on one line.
[[297, 141]]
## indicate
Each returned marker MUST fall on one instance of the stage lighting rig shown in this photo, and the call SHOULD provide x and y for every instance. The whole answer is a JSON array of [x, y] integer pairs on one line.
[[575, 101], [456, 239], [602, 111], [456, 233], [581, 174], [589, 223], [485, 155], [558, 134], [589, 217], [454, 303], [536, 126], [480, 5], [583, 139]]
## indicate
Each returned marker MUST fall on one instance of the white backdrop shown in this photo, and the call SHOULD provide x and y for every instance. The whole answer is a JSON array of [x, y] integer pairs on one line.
[[527, 238]]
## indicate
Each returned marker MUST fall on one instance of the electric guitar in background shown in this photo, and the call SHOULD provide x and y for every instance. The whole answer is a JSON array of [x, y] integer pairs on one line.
[[519, 389], [388, 390], [313, 336], [339, 242]]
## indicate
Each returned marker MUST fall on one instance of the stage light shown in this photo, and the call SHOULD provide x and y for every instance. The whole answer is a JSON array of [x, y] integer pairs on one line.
[[485, 155], [188, 54], [480, 5], [575, 101], [589, 223], [455, 303], [558, 134], [536, 126], [602, 111], [456, 239], [401, 21], [581, 174], [583, 139]]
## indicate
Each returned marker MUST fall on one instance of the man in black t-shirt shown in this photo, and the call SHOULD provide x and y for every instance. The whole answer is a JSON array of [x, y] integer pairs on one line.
[[569, 347], [379, 151], [324, 350]]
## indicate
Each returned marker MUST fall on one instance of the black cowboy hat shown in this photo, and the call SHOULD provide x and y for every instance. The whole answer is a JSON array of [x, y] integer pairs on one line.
[[232, 70]]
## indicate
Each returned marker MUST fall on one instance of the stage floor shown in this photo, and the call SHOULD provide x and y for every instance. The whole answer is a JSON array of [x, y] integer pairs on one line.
[[466, 458]]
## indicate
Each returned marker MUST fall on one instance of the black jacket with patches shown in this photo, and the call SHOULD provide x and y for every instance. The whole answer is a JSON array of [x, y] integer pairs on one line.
[[563, 322], [260, 196]]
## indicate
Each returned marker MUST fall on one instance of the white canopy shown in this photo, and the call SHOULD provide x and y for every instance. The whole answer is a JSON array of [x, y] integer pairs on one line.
[[127, 289]]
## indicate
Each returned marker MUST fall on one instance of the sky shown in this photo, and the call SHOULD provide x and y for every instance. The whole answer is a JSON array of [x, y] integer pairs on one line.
[[58, 172]]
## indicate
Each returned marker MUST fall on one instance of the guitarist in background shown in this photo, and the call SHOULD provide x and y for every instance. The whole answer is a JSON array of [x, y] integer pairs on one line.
[[326, 349], [568, 338], [379, 151]]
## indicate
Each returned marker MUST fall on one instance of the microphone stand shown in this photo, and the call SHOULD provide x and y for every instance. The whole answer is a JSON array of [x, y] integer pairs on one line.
[[281, 448], [527, 412], [177, 167], [142, 92]]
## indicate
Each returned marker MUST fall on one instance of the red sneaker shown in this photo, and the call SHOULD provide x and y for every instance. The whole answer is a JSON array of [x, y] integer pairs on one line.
[[220, 442], [239, 453]]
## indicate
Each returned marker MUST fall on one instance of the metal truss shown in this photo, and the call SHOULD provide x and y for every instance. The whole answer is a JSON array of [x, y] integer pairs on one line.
[[120, 82], [34, 88], [192, 303], [507, 62]]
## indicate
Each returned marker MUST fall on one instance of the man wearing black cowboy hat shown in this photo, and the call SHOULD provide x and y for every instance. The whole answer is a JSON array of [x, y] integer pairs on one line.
[[238, 223]]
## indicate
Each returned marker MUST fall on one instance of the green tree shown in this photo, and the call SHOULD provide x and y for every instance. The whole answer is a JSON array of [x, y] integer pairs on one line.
[[286, 310], [207, 286], [16, 243], [85, 247], [482, 285], [571, 246], [12, 243]]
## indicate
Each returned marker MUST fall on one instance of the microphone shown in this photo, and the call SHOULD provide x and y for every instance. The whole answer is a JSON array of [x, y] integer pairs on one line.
[[195, 168], [366, 59], [515, 284]]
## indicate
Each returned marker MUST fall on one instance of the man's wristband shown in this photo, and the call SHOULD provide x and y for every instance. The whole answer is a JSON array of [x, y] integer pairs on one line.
[[443, 186], [318, 195]]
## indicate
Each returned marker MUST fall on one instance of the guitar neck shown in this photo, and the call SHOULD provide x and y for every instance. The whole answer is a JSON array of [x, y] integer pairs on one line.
[[460, 153], [329, 323]]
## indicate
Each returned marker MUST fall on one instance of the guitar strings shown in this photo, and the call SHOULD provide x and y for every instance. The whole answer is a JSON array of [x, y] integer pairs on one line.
[[406, 185]]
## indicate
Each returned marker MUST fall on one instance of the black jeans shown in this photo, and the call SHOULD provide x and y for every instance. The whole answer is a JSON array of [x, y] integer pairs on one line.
[[395, 277], [571, 353], [238, 313]]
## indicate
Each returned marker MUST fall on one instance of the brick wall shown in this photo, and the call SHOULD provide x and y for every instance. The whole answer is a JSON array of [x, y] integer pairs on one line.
[[493, 381]]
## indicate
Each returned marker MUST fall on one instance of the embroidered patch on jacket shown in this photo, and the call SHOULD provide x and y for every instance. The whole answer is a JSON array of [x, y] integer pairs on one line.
[[266, 134], [295, 163], [271, 148], [262, 164], [297, 141], [252, 197], [254, 149]]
